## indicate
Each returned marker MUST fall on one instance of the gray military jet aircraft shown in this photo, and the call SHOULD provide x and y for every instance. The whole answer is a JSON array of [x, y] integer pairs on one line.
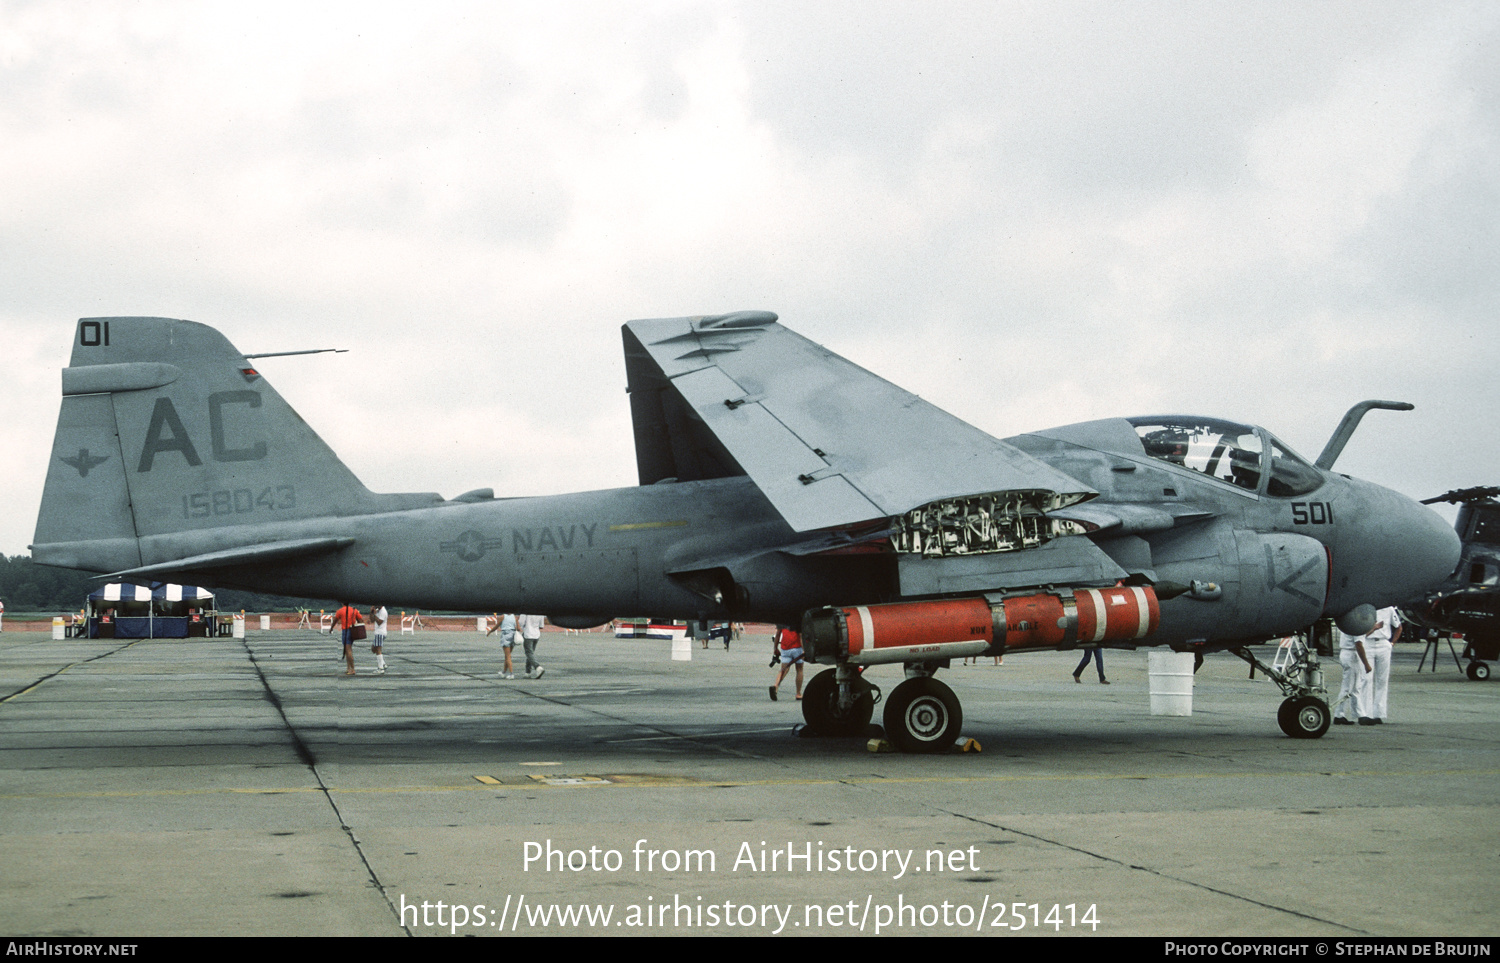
[[778, 482]]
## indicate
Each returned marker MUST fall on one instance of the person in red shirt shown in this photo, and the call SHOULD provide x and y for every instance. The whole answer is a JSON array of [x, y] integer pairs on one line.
[[346, 618], [789, 651]]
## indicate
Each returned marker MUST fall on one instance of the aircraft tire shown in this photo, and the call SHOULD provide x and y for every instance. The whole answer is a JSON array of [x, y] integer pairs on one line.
[[820, 706], [1304, 717], [923, 715], [1478, 671]]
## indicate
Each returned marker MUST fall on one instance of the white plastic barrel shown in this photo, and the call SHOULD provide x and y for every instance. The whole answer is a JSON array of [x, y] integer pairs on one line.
[[1171, 675]]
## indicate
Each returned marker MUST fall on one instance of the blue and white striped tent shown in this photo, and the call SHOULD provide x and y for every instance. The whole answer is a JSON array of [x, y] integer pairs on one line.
[[128, 611], [116, 592], [180, 593]]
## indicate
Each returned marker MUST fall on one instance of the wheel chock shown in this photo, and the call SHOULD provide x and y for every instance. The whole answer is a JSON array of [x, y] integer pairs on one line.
[[879, 745], [965, 744]]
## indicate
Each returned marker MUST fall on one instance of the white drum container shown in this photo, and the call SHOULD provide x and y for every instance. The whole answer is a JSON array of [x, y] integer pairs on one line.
[[1171, 675]]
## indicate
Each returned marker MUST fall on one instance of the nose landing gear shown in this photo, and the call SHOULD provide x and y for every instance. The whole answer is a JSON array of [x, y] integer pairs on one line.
[[1304, 717], [1304, 714]]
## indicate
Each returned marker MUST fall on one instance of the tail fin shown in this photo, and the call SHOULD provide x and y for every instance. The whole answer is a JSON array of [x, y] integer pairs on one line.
[[166, 428]]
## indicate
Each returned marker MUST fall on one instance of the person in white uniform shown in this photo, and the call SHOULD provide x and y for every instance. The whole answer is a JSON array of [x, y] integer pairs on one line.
[[1378, 644], [1352, 705], [378, 617]]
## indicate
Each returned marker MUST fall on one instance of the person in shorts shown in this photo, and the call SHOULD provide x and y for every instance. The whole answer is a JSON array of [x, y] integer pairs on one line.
[[507, 629], [345, 619], [789, 653]]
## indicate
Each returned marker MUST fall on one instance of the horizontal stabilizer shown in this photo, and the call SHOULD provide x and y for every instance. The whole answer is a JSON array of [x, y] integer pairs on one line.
[[233, 557]]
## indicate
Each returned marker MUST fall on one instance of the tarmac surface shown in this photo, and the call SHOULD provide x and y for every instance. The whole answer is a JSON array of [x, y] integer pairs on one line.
[[245, 787]]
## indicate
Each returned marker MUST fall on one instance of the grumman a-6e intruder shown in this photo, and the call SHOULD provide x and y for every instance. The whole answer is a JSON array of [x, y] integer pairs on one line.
[[778, 483]]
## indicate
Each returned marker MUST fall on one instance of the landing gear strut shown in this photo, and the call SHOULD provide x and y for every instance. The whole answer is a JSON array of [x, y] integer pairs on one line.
[[922, 714], [1305, 713], [839, 702]]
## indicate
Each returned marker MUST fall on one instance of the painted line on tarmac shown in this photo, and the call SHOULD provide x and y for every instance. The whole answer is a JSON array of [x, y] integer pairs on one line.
[[650, 781]]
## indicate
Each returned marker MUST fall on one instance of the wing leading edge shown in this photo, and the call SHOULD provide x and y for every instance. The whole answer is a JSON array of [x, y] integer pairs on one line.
[[827, 442]]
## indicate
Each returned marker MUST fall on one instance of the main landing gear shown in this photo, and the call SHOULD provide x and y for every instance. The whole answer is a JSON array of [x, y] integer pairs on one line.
[[921, 715], [839, 702], [1304, 714]]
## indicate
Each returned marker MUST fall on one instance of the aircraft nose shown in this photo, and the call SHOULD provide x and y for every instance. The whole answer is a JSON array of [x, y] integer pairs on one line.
[[1397, 551], [1421, 550], [1432, 551]]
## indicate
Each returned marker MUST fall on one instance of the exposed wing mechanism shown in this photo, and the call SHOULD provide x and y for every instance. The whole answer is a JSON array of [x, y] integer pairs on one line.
[[827, 442]]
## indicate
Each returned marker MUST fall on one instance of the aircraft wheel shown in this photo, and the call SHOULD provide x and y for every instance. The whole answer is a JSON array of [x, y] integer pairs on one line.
[[820, 706], [1304, 717], [923, 715], [1478, 671]]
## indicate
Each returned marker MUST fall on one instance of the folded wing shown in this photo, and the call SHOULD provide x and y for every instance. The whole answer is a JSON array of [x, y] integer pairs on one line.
[[829, 443]]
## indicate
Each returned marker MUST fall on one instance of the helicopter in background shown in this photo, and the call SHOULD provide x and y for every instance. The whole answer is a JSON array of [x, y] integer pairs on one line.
[[1468, 603]]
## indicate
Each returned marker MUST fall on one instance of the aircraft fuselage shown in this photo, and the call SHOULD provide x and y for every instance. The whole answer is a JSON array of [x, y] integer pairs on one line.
[[616, 552]]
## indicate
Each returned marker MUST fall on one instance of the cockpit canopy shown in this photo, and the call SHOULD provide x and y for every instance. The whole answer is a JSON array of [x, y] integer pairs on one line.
[[1480, 522], [1241, 455]]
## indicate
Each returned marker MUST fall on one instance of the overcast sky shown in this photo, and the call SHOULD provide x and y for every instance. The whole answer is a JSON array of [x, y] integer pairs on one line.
[[1031, 214]]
